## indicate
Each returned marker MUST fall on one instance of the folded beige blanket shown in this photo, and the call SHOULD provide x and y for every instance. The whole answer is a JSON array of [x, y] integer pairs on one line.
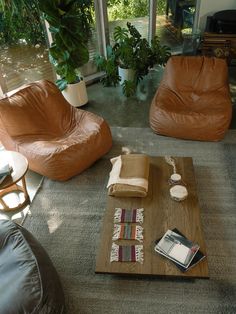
[[129, 176]]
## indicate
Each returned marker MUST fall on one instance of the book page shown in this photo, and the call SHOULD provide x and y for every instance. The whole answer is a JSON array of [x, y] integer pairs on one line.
[[180, 253]]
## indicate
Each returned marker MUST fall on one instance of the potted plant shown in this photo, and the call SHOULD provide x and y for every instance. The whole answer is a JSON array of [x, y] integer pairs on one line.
[[132, 56], [108, 65], [69, 24]]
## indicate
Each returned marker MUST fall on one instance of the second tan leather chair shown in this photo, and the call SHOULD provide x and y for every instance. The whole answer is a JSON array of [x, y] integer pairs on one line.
[[193, 99]]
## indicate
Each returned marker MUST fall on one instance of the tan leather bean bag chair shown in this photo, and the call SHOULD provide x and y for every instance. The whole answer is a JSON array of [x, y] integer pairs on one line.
[[58, 140], [193, 99]]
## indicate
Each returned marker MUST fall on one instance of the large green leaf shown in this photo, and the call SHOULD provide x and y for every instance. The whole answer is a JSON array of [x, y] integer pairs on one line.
[[109, 51], [58, 42], [100, 62], [71, 76], [69, 39], [69, 20], [72, 23], [58, 54], [79, 56], [53, 29], [67, 72], [61, 84], [50, 10], [120, 33], [66, 5], [133, 31], [62, 69]]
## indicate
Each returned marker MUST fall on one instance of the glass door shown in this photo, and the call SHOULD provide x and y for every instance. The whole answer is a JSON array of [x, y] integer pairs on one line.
[[89, 69], [165, 28], [23, 43], [134, 11], [175, 25], [23, 47]]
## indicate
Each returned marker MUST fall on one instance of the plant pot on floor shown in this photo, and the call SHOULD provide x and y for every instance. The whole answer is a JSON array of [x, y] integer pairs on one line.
[[76, 94], [126, 75]]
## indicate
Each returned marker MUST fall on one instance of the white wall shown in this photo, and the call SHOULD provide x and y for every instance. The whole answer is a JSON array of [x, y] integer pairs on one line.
[[209, 7]]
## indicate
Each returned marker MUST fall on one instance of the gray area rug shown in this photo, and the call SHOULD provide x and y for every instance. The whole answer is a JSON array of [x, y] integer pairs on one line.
[[66, 218]]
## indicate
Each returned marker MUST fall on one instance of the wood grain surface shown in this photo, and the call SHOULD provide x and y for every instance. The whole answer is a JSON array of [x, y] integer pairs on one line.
[[160, 213]]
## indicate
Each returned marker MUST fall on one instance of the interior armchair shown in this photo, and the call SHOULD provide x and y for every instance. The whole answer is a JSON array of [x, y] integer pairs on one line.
[[58, 140], [193, 100]]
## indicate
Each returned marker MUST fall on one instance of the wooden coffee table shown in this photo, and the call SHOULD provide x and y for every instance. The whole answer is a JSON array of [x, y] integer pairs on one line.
[[160, 213], [11, 184]]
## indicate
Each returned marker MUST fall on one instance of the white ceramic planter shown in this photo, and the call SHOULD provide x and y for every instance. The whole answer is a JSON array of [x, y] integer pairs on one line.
[[126, 75], [76, 94]]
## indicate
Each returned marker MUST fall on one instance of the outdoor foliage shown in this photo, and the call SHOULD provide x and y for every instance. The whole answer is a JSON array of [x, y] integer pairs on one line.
[[108, 65], [20, 21], [70, 22], [125, 9]]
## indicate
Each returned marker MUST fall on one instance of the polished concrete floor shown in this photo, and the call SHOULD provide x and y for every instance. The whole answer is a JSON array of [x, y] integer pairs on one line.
[[134, 111], [119, 110]]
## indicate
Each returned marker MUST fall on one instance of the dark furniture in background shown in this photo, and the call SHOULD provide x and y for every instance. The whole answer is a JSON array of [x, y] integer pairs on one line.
[[222, 22], [219, 38]]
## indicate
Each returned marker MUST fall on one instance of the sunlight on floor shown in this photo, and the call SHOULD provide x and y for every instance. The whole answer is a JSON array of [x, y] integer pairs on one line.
[[54, 221], [13, 200], [126, 150]]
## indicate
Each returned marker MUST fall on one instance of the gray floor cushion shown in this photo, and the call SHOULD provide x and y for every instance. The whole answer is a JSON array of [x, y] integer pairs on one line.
[[29, 281]]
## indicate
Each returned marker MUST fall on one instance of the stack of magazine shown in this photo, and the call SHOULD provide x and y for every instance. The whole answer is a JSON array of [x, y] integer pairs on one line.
[[181, 251]]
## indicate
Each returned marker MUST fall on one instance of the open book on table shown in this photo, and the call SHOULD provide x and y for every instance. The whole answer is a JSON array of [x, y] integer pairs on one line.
[[174, 246]]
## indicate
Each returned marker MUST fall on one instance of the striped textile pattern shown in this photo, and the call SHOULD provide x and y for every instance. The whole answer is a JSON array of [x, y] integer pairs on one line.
[[127, 232], [126, 253], [123, 215]]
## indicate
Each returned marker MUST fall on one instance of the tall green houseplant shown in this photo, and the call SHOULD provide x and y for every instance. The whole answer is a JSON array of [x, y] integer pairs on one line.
[[133, 53], [69, 22]]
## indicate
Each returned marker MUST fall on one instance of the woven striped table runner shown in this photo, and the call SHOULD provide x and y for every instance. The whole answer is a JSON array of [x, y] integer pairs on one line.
[[127, 232], [128, 215], [126, 253]]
